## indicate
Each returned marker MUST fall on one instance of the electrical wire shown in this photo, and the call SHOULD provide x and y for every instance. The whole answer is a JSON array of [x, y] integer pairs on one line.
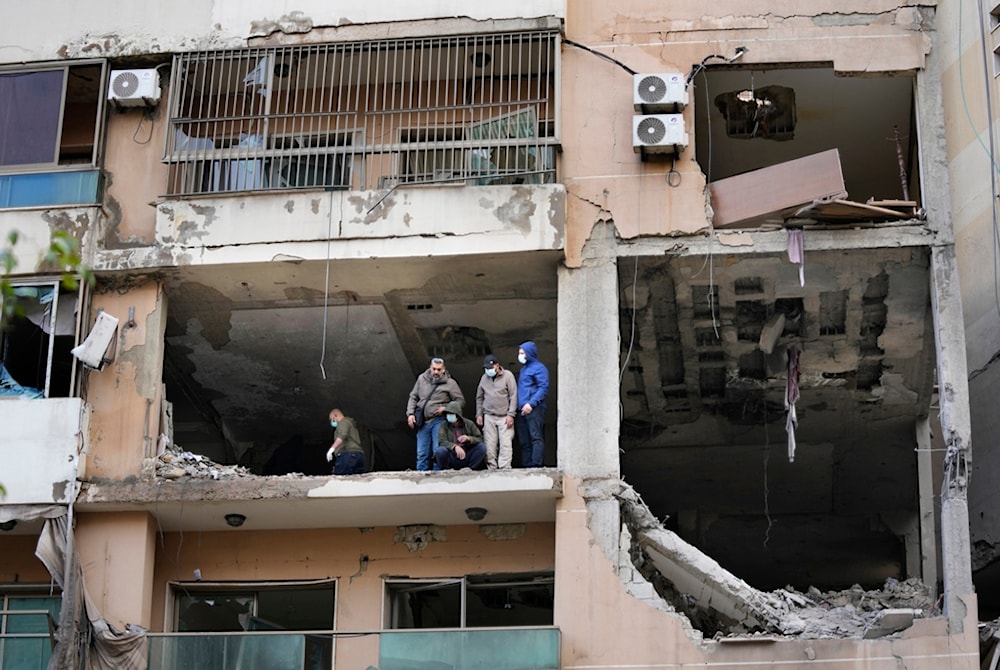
[[599, 55], [326, 287]]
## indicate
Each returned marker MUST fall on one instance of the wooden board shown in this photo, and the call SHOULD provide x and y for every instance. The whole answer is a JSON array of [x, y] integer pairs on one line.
[[776, 191]]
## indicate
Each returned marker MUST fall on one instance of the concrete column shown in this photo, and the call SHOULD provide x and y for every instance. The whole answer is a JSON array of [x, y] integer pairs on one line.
[[949, 328], [117, 552], [589, 419], [925, 483], [953, 392]]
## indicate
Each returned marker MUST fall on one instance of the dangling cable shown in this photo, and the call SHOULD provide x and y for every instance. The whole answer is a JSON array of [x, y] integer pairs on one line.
[[326, 286]]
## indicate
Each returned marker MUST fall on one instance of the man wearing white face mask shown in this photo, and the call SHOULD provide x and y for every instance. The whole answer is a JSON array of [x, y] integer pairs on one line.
[[496, 405], [460, 444], [346, 447]]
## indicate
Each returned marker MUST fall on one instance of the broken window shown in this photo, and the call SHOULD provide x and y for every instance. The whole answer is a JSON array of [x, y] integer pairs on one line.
[[863, 125], [470, 602], [767, 112], [35, 343], [49, 131], [234, 612], [372, 114], [27, 623]]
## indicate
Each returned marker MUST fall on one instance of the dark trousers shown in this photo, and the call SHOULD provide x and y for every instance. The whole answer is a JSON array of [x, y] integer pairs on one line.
[[447, 460], [531, 436], [349, 463]]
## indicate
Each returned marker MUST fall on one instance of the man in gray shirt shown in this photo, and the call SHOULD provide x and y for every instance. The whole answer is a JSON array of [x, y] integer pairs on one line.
[[496, 405]]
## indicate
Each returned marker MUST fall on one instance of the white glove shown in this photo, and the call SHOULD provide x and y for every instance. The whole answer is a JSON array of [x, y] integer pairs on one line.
[[329, 455]]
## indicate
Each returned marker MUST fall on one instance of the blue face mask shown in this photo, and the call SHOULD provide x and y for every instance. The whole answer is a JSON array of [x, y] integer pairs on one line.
[[491, 372], [333, 423], [451, 418]]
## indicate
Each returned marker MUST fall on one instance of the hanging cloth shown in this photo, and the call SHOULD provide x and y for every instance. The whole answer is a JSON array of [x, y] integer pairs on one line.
[[797, 253], [792, 397]]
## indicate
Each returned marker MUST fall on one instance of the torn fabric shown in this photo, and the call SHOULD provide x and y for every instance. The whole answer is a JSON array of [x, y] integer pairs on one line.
[[109, 648], [797, 252], [792, 397]]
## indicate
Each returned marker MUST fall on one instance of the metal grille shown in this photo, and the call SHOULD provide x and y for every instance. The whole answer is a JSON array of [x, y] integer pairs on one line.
[[365, 115]]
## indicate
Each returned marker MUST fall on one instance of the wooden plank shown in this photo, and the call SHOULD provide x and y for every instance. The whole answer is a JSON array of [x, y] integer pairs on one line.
[[776, 191]]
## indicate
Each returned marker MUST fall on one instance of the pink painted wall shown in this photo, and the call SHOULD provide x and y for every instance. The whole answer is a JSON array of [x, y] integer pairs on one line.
[[125, 396], [605, 179]]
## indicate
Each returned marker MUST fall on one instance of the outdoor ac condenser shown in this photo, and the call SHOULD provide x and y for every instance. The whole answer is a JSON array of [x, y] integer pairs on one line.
[[134, 88], [659, 133], [659, 92]]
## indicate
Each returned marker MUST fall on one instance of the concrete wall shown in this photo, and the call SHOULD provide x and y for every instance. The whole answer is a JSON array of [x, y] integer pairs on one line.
[[605, 179], [359, 559], [638, 635], [51, 29], [126, 394], [40, 431], [18, 564], [116, 556], [965, 88]]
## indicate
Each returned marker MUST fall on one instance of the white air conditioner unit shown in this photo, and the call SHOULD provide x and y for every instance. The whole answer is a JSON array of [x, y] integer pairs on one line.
[[659, 133], [134, 88], [659, 92]]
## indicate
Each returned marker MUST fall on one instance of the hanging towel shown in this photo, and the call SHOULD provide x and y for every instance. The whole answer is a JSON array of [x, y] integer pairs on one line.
[[796, 252]]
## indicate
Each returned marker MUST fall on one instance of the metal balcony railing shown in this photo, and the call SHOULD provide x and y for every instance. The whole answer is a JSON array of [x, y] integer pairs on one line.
[[424, 649], [477, 109]]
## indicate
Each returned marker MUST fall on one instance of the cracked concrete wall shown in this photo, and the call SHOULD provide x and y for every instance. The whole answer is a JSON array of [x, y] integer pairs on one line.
[[965, 87], [427, 221], [134, 175], [126, 394], [643, 633], [107, 29], [35, 227], [606, 180]]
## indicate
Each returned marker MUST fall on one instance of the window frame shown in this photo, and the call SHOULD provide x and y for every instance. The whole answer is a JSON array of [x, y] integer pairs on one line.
[[66, 67], [466, 584], [58, 289]]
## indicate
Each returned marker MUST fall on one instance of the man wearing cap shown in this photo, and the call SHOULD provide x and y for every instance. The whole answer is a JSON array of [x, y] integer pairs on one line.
[[460, 444], [496, 405]]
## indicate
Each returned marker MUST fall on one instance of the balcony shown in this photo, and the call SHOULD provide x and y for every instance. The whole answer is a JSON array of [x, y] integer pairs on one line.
[[458, 649], [472, 109]]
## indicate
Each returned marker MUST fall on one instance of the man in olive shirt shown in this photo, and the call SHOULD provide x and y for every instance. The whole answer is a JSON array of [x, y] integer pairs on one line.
[[346, 445]]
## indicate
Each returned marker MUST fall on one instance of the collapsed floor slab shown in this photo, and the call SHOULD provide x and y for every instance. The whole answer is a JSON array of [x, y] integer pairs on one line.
[[718, 603]]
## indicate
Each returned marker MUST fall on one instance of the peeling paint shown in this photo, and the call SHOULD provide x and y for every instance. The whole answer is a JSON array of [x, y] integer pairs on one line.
[[518, 210], [289, 206], [293, 23], [314, 205], [416, 538]]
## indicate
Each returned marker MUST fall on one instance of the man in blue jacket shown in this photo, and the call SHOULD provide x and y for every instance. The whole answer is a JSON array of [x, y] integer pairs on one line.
[[532, 387]]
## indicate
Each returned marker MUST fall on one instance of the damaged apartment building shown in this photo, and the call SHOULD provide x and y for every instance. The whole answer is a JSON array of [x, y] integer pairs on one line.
[[728, 231]]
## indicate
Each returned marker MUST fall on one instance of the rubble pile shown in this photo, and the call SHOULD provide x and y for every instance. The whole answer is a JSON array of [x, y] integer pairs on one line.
[[855, 612], [175, 463], [724, 605]]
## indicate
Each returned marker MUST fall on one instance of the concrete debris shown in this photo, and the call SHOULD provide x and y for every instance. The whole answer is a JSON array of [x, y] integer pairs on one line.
[[175, 463], [719, 604]]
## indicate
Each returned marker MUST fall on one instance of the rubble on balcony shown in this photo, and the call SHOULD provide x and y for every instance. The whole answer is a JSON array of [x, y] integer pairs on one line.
[[176, 463], [720, 604]]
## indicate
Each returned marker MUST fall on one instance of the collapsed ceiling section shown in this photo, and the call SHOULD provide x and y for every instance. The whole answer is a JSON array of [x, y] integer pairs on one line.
[[705, 432]]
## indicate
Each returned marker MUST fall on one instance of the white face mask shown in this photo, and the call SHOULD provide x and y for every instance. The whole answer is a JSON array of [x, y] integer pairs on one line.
[[451, 418], [491, 372], [522, 359]]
